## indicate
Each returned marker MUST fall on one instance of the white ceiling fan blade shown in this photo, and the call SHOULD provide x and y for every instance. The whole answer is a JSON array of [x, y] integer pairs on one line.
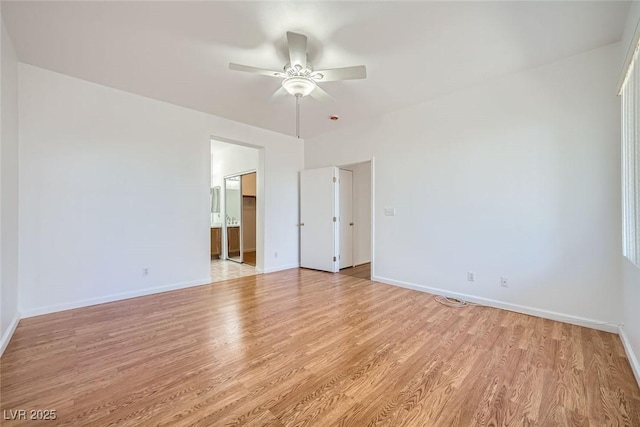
[[319, 94], [297, 49], [280, 93], [346, 73], [255, 70]]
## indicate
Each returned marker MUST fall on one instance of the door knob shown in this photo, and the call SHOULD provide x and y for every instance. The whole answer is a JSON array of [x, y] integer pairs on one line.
[[350, 223], [302, 224]]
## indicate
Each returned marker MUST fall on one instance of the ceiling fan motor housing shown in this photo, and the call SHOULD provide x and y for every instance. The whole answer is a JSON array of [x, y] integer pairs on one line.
[[299, 86]]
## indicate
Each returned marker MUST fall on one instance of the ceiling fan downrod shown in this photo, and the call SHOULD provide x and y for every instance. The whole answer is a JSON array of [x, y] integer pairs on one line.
[[298, 115]]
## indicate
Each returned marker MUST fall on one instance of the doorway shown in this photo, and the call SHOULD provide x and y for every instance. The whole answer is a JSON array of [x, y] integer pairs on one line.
[[235, 174], [356, 219], [336, 217]]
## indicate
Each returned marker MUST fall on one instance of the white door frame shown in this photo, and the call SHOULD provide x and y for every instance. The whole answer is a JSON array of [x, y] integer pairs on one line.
[[373, 216]]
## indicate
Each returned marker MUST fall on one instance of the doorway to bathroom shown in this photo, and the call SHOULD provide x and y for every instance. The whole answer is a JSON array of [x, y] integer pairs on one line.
[[235, 175]]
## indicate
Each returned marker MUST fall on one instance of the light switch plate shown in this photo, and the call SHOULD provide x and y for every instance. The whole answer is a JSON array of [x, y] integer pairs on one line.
[[389, 211]]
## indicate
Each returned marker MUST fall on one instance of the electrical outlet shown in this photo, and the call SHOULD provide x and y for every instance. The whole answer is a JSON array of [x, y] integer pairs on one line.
[[504, 282], [276, 255], [471, 276], [145, 271]]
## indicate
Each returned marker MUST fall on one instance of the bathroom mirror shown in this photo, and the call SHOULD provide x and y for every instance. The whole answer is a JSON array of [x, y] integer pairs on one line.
[[215, 200], [216, 221], [233, 217]]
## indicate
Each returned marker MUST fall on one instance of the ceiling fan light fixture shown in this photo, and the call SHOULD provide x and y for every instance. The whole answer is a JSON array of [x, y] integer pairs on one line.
[[300, 79], [298, 86]]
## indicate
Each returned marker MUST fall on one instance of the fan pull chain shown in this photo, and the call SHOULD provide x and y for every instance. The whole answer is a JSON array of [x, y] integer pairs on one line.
[[298, 116]]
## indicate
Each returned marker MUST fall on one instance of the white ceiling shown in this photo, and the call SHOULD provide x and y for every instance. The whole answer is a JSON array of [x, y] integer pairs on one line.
[[414, 51]]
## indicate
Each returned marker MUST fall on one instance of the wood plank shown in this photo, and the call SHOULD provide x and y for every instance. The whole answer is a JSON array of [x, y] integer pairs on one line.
[[362, 271]]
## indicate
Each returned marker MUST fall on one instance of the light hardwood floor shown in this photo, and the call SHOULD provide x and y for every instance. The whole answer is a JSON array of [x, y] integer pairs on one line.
[[362, 271], [302, 347], [249, 258]]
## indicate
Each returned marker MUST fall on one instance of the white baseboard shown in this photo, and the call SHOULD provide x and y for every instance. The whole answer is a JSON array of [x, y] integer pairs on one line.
[[545, 314], [631, 355], [280, 268], [4, 341], [110, 298]]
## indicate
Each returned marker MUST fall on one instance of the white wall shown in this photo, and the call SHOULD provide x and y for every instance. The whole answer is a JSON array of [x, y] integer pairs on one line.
[[9, 190], [631, 26], [517, 177], [631, 272], [111, 183]]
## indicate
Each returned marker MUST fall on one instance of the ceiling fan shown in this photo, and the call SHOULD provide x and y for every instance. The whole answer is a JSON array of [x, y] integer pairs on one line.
[[299, 77]]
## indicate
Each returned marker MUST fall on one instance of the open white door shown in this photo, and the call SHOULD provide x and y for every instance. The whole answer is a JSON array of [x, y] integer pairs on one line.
[[346, 218], [318, 219]]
